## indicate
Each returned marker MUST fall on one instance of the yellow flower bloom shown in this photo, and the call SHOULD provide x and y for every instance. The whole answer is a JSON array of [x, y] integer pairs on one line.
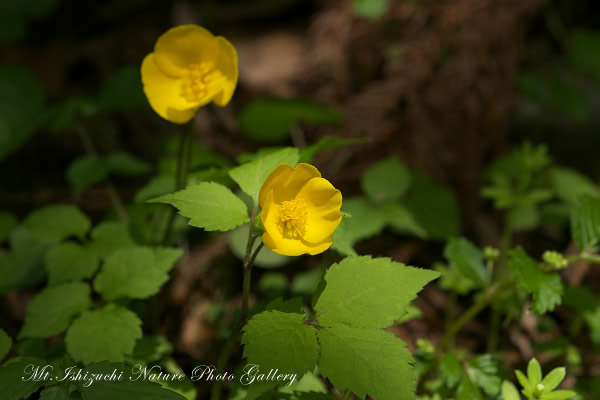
[[300, 210], [188, 69]]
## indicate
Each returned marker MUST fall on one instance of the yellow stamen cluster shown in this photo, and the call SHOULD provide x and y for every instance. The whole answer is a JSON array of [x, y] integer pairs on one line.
[[293, 215], [194, 83]]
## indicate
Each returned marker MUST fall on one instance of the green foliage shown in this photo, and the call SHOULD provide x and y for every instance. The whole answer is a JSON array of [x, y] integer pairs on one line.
[[15, 16], [69, 261], [468, 390], [365, 221], [136, 273], [123, 90], [51, 311], [326, 143], [467, 259], [21, 104], [545, 288], [584, 51], [369, 9], [5, 344], [537, 388], [110, 236], [585, 223], [56, 222], [271, 120], [112, 329], [386, 180], [509, 391], [8, 223], [570, 184], [208, 205], [251, 175], [22, 266], [14, 387], [266, 257], [485, 372], [451, 369]]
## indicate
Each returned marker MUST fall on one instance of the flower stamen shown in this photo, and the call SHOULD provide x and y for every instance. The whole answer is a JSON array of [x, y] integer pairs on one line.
[[195, 82], [293, 214]]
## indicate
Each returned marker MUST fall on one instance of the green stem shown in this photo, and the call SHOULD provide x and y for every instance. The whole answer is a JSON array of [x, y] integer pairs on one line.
[[590, 258], [183, 159], [217, 387], [492, 341]]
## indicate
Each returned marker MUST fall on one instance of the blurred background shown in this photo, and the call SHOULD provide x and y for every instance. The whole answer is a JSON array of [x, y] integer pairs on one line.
[[445, 85]]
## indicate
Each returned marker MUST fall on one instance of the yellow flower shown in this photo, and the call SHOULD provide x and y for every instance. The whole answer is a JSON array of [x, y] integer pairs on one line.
[[300, 210], [188, 69]]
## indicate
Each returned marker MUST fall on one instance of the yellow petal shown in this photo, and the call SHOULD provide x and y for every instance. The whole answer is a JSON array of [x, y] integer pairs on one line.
[[286, 182], [164, 93], [227, 64], [185, 45], [323, 203], [273, 237]]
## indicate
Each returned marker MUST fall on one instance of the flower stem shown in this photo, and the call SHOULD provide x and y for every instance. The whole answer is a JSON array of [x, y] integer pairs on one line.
[[183, 159]]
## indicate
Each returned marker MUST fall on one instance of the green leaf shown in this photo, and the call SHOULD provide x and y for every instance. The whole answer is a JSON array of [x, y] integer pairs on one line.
[[534, 372], [451, 369], [275, 339], [252, 175], [306, 283], [326, 143], [124, 163], [467, 259], [401, 220], [509, 391], [136, 273], [366, 292], [570, 184], [584, 51], [265, 259], [468, 390], [270, 120], [585, 223], [412, 312], [433, 206], [123, 90], [51, 311], [22, 268], [367, 220], [150, 349], [8, 223], [21, 106], [12, 375], [367, 361], [369, 9], [67, 113], [87, 171], [108, 333], [546, 288], [309, 383], [126, 389], [55, 222], [558, 395], [69, 262], [208, 205], [157, 186], [523, 218], [110, 236], [386, 180], [553, 379], [55, 393], [592, 318], [524, 381], [5, 344], [485, 371]]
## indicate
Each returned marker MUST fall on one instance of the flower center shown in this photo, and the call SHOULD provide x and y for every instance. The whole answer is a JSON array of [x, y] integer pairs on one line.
[[293, 215], [199, 81]]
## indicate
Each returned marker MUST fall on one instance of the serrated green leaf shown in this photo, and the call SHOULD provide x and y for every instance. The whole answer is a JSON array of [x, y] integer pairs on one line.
[[509, 391], [326, 143], [126, 389], [124, 163], [275, 339], [585, 223], [309, 383], [546, 288], [467, 259], [468, 390], [570, 184], [136, 273], [451, 369], [12, 375], [266, 258], [51, 311], [5, 344], [366, 292], [553, 379], [110, 236], [85, 172], [69, 261], [108, 333], [123, 90], [208, 205], [21, 105], [558, 395], [485, 371], [55, 222], [252, 175], [270, 120], [367, 220], [367, 361], [386, 180], [8, 223], [55, 393]]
